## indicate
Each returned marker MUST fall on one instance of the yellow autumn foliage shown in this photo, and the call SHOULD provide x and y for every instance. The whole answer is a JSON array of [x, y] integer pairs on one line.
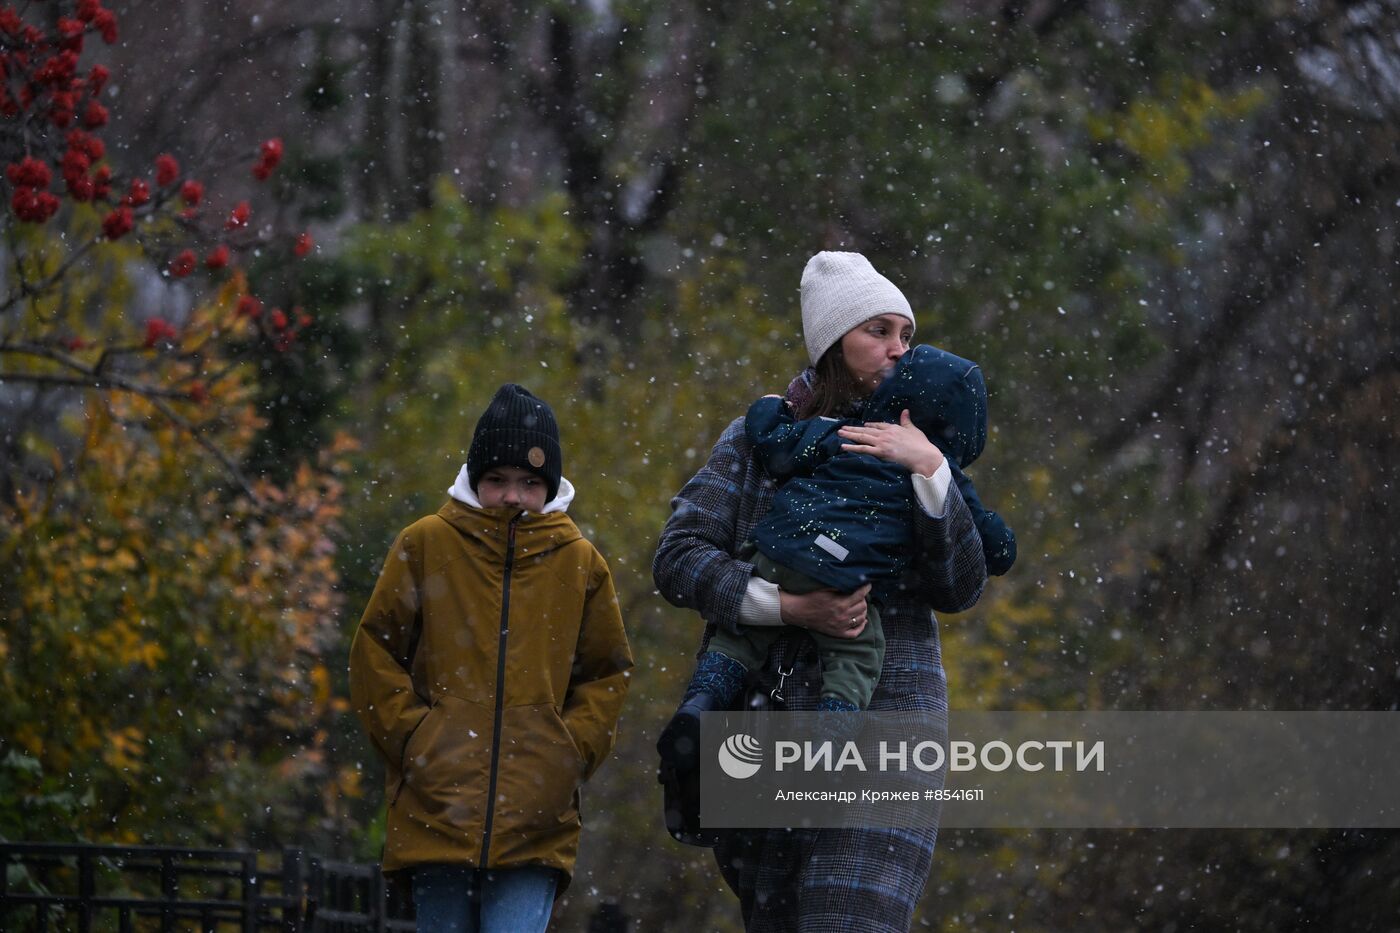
[[164, 628], [1163, 128]]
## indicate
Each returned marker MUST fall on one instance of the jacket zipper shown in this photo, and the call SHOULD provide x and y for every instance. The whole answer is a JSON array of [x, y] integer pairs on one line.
[[500, 692]]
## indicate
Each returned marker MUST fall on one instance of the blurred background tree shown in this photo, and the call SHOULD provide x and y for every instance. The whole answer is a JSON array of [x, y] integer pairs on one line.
[[168, 605], [1168, 233]]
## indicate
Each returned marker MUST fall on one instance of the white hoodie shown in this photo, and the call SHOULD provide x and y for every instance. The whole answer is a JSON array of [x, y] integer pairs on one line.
[[462, 491]]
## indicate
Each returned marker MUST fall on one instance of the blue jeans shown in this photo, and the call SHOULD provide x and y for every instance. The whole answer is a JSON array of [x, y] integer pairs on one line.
[[462, 899]]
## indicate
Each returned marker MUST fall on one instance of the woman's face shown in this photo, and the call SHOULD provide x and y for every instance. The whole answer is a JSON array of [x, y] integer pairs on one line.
[[872, 348]]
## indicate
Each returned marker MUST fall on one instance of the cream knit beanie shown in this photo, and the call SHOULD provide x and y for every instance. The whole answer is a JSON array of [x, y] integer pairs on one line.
[[840, 291]]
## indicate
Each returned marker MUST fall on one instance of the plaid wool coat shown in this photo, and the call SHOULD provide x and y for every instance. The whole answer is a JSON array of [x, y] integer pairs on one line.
[[838, 880]]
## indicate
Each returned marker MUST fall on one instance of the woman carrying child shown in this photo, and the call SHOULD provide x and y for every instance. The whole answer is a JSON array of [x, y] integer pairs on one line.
[[856, 325]]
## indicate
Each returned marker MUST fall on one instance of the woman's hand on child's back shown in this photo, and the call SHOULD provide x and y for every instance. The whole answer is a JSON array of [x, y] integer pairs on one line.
[[901, 443], [841, 615]]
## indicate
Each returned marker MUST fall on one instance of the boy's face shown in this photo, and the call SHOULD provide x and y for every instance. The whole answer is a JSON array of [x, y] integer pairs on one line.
[[511, 487]]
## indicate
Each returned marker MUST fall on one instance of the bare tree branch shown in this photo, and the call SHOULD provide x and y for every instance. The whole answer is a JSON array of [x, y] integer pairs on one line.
[[26, 289], [94, 382], [89, 377], [212, 449]]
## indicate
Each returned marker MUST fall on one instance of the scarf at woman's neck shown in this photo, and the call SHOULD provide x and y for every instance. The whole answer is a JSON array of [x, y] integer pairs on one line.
[[799, 393]]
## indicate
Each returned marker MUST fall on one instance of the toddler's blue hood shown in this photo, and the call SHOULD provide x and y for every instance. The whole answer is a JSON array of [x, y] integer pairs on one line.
[[946, 397]]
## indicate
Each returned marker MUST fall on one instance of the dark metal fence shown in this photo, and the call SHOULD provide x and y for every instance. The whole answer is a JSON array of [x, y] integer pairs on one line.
[[51, 886]]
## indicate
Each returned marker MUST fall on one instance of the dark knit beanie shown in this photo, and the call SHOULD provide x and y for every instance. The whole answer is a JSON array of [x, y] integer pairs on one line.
[[517, 430]]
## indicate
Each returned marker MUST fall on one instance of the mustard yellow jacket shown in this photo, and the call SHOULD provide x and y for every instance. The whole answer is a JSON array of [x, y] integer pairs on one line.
[[489, 670]]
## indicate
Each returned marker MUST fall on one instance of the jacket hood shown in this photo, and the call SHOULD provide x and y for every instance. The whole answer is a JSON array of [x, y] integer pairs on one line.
[[946, 397], [535, 533], [462, 491]]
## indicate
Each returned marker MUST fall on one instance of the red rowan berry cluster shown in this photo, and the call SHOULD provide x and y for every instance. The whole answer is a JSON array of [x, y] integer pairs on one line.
[[51, 116]]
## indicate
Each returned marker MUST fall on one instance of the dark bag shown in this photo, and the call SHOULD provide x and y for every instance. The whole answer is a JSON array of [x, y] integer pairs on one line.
[[680, 786]]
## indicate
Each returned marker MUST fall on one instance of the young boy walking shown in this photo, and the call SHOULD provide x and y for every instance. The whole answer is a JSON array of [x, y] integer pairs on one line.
[[489, 671]]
